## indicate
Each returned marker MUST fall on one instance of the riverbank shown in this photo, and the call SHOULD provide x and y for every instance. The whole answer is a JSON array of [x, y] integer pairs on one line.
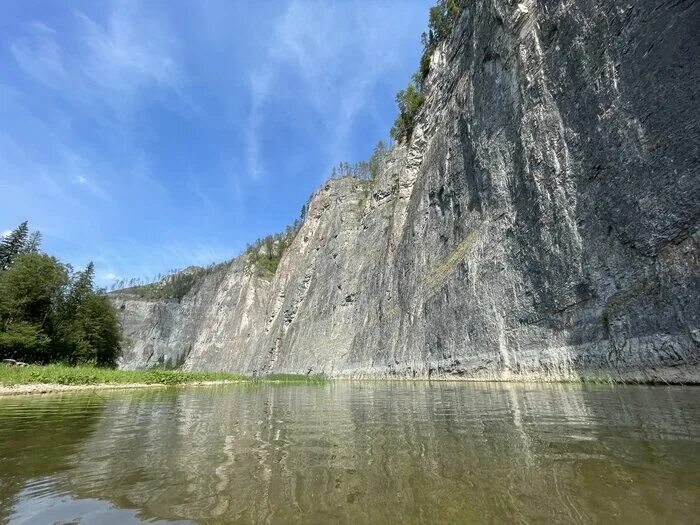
[[55, 388], [40, 379], [89, 375], [46, 379]]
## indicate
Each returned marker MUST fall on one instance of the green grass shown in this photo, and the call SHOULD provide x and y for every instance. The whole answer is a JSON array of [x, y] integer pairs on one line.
[[88, 375]]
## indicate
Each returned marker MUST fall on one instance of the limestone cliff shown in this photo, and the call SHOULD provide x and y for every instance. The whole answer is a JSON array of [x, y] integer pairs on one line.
[[542, 222]]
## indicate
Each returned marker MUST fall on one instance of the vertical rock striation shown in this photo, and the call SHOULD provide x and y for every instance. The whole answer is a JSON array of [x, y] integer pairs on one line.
[[542, 223]]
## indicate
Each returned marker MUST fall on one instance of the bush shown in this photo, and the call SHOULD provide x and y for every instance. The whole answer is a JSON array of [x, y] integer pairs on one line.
[[24, 342], [409, 101]]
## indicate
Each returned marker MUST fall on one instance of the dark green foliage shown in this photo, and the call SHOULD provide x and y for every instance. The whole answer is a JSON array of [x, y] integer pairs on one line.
[[33, 242], [24, 341], [31, 289], [181, 284], [92, 335], [81, 288], [47, 314], [442, 18]]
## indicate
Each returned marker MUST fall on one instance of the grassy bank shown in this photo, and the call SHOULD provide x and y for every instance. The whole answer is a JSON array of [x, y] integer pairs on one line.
[[11, 376], [88, 375]]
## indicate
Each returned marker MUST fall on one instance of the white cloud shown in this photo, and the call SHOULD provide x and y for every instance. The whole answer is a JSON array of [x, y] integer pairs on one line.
[[79, 179], [5, 233]]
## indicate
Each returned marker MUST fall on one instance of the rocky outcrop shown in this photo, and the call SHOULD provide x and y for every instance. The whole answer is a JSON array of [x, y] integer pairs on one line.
[[542, 223]]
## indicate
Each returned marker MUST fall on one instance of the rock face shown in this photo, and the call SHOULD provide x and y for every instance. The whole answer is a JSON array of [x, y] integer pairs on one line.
[[542, 222]]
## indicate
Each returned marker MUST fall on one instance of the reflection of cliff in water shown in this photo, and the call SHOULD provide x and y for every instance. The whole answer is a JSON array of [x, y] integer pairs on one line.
[[375, 451], [38, 438]]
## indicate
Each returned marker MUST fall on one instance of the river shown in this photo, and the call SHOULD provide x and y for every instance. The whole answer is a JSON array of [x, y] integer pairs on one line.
[[354, 452]]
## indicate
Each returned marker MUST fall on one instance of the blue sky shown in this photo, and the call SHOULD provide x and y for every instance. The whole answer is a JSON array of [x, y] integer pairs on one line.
[[147, 136]]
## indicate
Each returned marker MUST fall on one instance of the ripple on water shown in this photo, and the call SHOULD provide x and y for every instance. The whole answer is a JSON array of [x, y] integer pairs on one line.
[[363, 452]]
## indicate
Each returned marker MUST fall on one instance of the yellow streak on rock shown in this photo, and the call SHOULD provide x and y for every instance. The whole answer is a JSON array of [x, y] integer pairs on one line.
[[440, 274]]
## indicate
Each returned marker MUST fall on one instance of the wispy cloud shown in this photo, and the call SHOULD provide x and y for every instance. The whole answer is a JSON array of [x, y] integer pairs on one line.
[[146, 138], [58, 143], [39, 53], [114, 63], [330, 56], [130, 52]]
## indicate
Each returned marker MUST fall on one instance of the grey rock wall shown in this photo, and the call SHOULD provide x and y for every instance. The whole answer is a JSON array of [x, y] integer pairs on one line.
[[542, 223]]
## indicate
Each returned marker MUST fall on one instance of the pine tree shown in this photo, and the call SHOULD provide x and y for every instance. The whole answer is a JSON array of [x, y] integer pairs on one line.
[[375, 161], [13, 245], [32, 244], [80, 289]]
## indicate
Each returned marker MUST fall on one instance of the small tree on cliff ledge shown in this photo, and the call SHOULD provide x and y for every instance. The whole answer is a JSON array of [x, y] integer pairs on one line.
[[409, 101]]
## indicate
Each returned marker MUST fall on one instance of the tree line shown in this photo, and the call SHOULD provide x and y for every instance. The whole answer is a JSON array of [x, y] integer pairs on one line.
[[48, 311], [175, 284], [364, 169]]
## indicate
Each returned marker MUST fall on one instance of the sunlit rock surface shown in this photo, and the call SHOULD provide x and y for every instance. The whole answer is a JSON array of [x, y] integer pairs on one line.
[[542, 223]]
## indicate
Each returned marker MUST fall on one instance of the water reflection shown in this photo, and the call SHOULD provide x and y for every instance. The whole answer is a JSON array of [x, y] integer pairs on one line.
[[38, 435], [366, 453]]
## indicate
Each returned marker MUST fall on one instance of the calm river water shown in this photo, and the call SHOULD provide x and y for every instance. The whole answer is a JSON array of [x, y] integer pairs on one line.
[[354, 452]]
